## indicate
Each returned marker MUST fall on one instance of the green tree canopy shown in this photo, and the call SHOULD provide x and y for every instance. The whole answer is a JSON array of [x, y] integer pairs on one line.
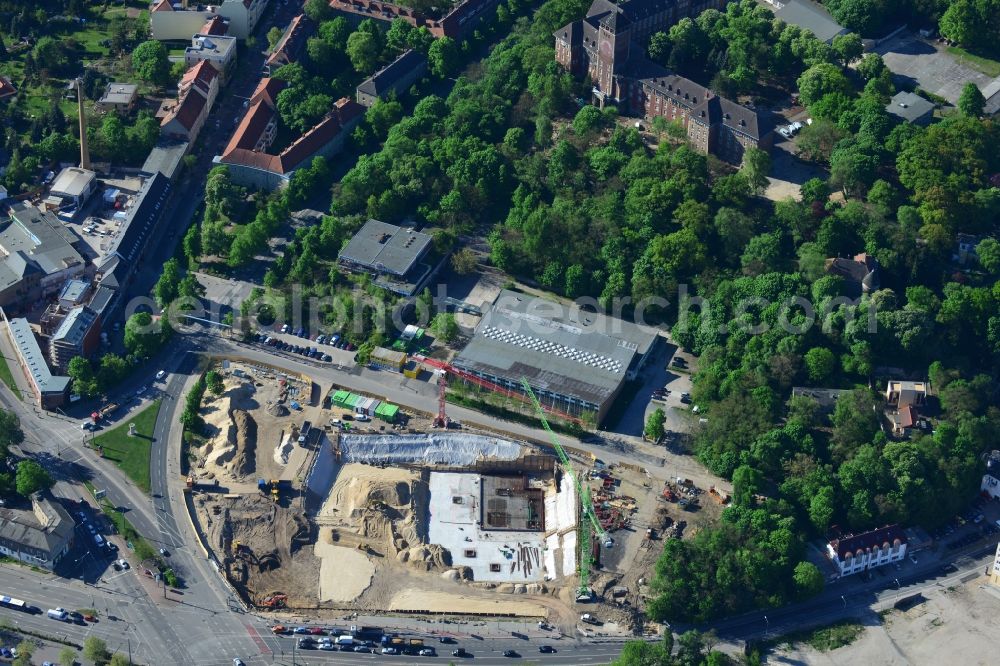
[[32, 477], [151, 63]]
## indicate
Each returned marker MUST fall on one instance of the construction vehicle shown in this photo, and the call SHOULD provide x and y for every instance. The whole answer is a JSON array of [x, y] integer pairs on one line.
[[274, 601], [719, 496], [275, 493], [589, 619], [262, 486], [441, 420], [584, 593], [190, 482]]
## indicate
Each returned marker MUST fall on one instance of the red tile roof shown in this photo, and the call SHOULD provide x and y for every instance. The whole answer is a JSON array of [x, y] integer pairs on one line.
[[287, 48], [214, 26], [862, 543], [200, 75], [250, 129], [240, 148], [268, 90], [163, 6], [187, 111]]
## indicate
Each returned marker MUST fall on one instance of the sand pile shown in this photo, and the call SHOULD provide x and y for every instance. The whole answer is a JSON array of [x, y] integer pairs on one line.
[[245, 458], [283, 449], [425, 557]]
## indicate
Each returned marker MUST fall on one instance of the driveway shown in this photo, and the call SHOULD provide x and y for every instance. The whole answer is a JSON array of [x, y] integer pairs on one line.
[[788, 172]]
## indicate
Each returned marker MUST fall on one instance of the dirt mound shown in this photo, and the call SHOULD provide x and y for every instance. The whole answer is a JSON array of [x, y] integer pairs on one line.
[[245, 458], [425, 558], [277, 410]]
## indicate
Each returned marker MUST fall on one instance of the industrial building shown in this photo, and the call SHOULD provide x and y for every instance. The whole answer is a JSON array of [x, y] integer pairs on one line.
[[38, 255], [575, 360], [39, 537], [73, 186], [392, 255]]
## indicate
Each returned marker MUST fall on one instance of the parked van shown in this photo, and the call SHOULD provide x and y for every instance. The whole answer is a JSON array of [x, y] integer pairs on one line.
[[57, 614]]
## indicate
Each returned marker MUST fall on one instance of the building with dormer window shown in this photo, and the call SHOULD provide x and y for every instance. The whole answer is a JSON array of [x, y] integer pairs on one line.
[[868, 550]]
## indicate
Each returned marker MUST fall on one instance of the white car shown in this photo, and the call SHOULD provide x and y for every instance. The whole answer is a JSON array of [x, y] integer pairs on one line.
[[161, 374], [795, 127], [123, 563]]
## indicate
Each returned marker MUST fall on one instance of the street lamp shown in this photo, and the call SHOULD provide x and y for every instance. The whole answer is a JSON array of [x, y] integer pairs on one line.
[[844, 599]]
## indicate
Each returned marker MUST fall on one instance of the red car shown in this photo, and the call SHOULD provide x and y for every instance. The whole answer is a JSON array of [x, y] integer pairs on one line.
[[317, 631]]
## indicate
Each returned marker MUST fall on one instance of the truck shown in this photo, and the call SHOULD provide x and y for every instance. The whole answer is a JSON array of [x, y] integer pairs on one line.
[[304, 432], [346, 639], [589, 619], [57, 614], [366, 633]]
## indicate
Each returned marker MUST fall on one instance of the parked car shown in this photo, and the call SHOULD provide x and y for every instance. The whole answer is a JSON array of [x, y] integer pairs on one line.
[[317, 631], [300, 630], [546, 649]]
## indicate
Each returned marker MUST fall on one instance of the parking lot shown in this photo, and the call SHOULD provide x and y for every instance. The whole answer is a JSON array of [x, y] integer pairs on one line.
[[915, 61], [317, 346]]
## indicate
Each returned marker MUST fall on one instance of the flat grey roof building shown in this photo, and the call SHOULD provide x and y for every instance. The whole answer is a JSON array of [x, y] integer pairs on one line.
[[73, 182], [574, 359], [119, 94], [386, 248], [911, 108], [810, 16]]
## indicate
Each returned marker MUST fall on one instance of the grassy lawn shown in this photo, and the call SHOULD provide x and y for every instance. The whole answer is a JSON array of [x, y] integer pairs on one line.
[[824, 639], [8, 378], [980, 64], [131, 454]]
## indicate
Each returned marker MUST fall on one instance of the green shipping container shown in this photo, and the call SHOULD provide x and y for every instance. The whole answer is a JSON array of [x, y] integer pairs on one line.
[[387, 412], [352, 400], [340, 397]]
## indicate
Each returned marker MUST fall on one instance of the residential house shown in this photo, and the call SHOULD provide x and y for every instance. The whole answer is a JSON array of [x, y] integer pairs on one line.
[[911, 108], [809, 16], [250, 164], [168, 21], [290, 46], [876, 548], [825, 398], [196, 91], [40, 537], [860, 274], [216, 26], [903, 400], [38, 256], [7, 89], [965, 249], [50, 391], [458, 23], [608, 46], [119, 97], [219, 50], [394, 79]]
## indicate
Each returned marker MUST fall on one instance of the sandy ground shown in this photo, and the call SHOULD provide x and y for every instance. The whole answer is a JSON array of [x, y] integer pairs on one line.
[[954, 626], [344, 573], [443, 602], [266, 402]]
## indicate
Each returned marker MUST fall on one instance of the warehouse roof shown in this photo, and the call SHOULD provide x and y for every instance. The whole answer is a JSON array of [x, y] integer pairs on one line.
[[558, 348], [72, 182], [386, 247], [812, 17]]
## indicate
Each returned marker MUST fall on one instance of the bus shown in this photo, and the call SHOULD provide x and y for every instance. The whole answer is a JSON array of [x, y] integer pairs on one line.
[[11, 602]]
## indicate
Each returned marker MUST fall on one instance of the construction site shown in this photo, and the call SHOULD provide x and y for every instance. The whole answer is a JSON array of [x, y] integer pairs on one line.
[[307, 507]]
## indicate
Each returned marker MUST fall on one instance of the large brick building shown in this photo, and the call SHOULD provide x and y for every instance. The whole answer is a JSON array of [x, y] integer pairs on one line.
[[607, 46]]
